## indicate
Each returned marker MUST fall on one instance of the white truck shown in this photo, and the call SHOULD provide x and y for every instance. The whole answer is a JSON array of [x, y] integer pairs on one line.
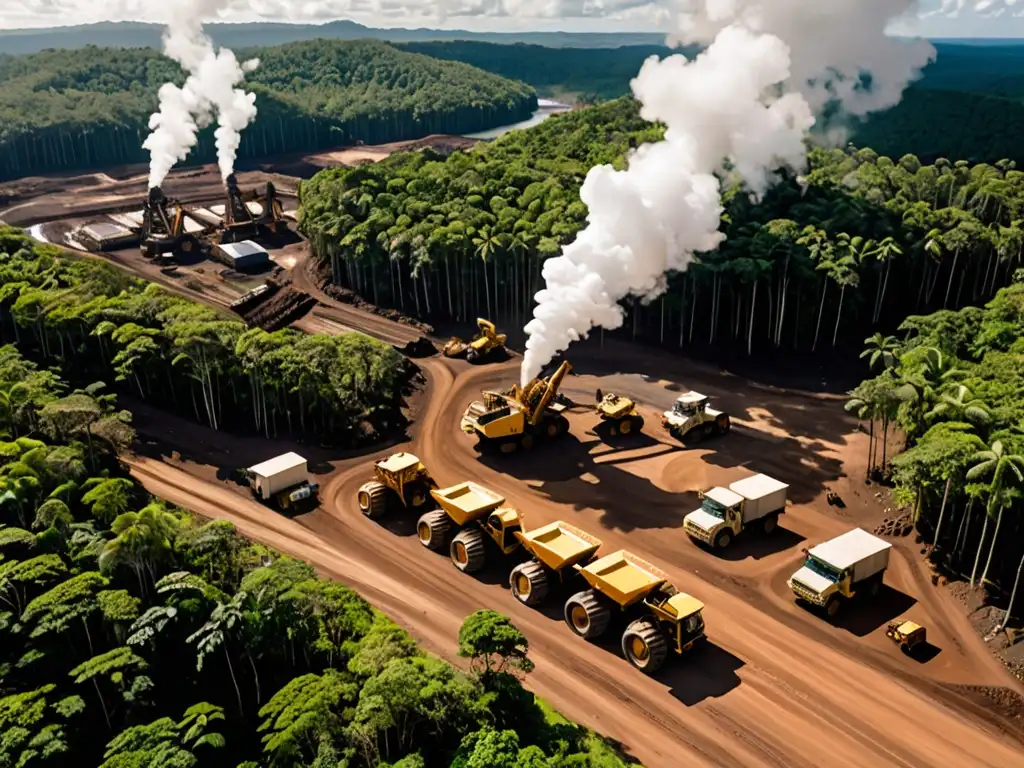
[[726, 512], [840, 569], [282, 481], [690, 418]]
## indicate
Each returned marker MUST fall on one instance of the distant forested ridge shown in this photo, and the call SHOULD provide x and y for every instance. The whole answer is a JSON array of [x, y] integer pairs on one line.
[[89, 108], [969, 103]]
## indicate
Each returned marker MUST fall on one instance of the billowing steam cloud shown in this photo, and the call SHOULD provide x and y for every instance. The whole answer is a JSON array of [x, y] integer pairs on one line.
[[209, 90], [749, 100]]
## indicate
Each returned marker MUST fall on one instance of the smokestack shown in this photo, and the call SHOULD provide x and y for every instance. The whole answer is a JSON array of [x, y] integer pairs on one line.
[[209, 91], [740, 110]]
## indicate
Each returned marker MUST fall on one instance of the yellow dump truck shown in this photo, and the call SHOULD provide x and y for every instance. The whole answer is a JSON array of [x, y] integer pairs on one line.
[[517, 418], [478, 514], [661, 617], [482, 345], [554, 550], [401, 478]]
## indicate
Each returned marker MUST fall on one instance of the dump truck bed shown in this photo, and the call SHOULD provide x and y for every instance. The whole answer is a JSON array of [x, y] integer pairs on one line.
[[559, 545], [623, 577], [864, 553], [467, 501]]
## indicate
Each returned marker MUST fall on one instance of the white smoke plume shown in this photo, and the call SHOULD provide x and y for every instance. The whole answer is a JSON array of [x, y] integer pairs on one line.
[[209, 91], [747, 101]]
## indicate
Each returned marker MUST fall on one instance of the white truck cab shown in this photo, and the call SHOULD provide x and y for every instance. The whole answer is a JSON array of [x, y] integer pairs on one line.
[[727, 512], [691, 415]]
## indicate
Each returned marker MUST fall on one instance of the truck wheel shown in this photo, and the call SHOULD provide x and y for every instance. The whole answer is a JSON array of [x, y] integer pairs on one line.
[[561, 426], [529, 583], [723, 539], [709, 429], [832, 606], [373, 499], [467, 551], [723, 424], [875, 587], [432, 530], [644, 646], [625, 426], [472, 356], [770, 522], [638, 423], [586, 615], [508, 446], [613, 429], [416, 495], [526, 442]]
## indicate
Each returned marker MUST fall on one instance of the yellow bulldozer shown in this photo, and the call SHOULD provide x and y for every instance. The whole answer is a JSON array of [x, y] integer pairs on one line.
[[519, 417], [484, 344], [619, 413], [660, 617], [400, 478]]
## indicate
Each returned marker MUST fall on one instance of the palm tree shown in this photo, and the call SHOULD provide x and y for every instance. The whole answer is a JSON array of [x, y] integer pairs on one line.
[[1003, 468], [880, 348], [883, 253], [141, 540], [962, 406]]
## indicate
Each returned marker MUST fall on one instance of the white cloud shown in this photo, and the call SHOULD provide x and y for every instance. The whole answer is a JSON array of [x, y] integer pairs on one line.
[[939, 17]]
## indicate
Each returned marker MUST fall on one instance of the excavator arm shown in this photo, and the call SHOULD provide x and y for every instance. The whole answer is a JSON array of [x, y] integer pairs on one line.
[[550, 390]]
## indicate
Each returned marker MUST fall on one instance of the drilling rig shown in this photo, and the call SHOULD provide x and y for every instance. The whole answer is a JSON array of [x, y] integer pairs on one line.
[[163, 235], [517, 418], [239, 223]]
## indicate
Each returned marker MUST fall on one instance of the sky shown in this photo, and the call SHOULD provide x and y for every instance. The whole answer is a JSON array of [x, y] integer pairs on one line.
[[938, 18]]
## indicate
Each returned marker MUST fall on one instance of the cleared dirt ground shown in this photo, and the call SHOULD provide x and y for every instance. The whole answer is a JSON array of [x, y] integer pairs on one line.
[[776, 685]]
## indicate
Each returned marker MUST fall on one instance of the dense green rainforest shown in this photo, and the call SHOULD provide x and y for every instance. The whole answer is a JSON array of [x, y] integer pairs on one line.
[[64, 110], [134, 635], [926, 256]]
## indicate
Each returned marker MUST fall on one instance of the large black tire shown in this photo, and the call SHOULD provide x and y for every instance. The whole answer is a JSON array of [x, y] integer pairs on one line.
[[874, 587], [833, 606], [432, 529], [770, 523], [723, 424], [526, 441], [644, 646], [624, 426], [472, 356], [188, 245], [467, 551], [529, 583], [587, 615], [417, 495], [724, 538], [373, 499], [638, 423]]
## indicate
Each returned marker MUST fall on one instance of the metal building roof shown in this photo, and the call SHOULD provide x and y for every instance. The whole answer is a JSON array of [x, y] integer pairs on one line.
[[242, 250]]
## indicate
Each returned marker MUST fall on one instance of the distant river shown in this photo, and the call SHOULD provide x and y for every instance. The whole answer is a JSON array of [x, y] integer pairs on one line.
[[545, 109]]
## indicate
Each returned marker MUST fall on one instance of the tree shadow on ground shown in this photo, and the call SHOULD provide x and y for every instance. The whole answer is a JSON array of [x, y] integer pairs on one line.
[[568, 473], [864, 615]]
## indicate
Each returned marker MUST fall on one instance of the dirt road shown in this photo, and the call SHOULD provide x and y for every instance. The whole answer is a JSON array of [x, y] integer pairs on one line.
[[776, 686]]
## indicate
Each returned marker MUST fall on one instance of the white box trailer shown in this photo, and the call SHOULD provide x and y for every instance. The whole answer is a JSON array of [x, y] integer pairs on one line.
[[727, 512], [283, 480], [841, 568]]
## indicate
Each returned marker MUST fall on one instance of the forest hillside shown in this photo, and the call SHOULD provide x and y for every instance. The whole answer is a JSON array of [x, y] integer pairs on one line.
[[66, 110]]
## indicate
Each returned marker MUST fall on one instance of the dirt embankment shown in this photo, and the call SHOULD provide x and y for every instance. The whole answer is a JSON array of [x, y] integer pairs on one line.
[[775, 686]]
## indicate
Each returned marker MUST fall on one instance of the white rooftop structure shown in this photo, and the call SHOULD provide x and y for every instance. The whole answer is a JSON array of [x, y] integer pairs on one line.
[[278, 464], [103, 230], [852, 547], [132, 219], [690, 397], [205, 214], [245, 252], [724, 496], [256, 209], [757, 486]]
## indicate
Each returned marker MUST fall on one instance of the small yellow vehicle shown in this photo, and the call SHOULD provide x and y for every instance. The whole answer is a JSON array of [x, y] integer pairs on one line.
[[487, 342], [907, 634], [619, 413]]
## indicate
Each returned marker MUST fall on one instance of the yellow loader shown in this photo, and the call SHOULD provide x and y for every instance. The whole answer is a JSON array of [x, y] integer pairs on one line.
[[480, 347]]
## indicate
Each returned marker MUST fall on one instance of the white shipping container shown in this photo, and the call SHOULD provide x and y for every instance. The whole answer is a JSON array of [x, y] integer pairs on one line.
[[859, 550], [763, 495], [278, 474]]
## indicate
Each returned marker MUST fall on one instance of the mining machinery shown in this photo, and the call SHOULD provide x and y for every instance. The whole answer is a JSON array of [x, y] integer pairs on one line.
[[163, 234], [240, 223]]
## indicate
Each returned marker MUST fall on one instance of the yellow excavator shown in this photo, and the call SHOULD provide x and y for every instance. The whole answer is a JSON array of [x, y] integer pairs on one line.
[[482, 345], [521, 416]]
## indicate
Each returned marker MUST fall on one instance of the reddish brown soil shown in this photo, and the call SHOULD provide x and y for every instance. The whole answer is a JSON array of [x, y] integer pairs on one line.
[[776, 685]]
